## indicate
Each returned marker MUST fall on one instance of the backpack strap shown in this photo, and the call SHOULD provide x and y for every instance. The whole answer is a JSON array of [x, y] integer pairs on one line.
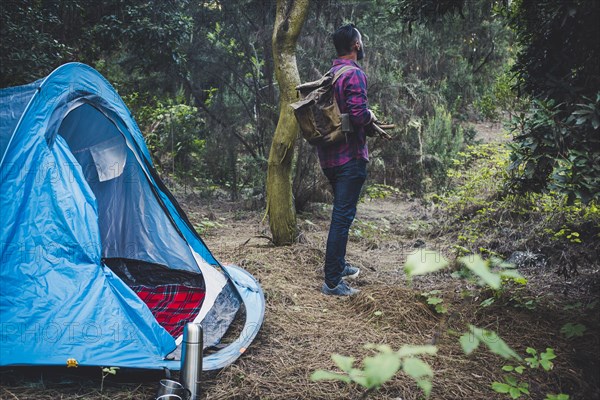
[[339, 73]]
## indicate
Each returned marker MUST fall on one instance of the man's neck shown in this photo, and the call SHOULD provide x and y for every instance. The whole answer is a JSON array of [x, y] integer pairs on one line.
[[351, 56]]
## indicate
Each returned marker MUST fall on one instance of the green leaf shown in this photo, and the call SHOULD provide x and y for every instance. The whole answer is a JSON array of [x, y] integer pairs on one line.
[[381, 368], [487, 302], [511, 380], [441, 309], [533, 362], [383, 348], [546, 364], [513, 274], [514, 392], [508, 368], [480, 268], [408, 350], [548, 354], [434, 300], [425, 385], [424, 262], [560, 396], [546, 357], [580, 112], [416, 368], [343, 362], [321, 375], [571, 330], [494, 343], [500, 387], [358, 376], [531, 350], [110, 370], [520, 369], [469, 343]]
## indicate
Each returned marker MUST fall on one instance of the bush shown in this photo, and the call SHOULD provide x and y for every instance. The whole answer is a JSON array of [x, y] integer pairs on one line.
[[174, 134], [441, 143], [557, 147]]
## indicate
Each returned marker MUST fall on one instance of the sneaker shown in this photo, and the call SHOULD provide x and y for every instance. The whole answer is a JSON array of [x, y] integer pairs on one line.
[[342, 289], [350, 272]]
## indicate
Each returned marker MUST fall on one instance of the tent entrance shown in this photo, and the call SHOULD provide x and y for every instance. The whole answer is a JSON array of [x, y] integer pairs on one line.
[[139, 241], [174, 297]]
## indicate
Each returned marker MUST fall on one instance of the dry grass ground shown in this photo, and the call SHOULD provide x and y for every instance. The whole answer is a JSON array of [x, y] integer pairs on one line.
[[303, 328]]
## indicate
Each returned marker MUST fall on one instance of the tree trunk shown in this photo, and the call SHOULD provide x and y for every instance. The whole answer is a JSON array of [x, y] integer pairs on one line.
[[289, 18]]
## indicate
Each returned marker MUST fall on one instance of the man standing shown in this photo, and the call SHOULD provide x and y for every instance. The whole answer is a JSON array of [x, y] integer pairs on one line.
[[345, 163]]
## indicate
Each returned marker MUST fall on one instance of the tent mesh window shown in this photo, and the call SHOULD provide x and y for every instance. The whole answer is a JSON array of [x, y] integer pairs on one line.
[[139, 242]]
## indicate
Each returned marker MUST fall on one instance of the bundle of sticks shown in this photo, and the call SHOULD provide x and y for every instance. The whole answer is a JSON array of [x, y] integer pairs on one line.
[[379, 128]]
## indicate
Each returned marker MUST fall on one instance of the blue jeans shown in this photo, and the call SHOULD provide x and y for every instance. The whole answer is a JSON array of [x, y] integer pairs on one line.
[[346, 181]]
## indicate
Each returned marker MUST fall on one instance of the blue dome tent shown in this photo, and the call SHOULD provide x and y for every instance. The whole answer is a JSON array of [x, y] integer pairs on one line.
[[99, 262]]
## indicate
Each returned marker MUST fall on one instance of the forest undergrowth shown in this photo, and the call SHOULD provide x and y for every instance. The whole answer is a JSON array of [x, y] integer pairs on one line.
[[554, 245]]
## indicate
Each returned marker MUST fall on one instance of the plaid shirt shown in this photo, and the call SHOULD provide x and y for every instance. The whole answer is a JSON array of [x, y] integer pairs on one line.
[[173, 306], [351, 95]]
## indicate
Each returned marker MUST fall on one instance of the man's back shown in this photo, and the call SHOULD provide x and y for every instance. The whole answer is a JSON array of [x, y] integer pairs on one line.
[[351, 94]]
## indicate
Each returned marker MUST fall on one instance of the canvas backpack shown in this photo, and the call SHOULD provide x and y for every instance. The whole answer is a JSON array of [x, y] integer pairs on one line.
[[318, 114]]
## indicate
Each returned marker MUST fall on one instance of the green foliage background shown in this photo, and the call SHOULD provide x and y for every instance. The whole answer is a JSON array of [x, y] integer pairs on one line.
[[198, 77], [558, 141]]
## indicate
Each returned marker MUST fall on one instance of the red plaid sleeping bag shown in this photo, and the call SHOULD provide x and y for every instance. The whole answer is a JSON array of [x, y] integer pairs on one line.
[[173, 306]]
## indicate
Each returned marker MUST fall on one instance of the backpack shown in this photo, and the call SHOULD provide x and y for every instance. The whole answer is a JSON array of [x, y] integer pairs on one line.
[[318, 114]]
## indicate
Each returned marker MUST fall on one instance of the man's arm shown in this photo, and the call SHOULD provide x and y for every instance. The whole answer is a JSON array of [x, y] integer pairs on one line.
[[355, 91]]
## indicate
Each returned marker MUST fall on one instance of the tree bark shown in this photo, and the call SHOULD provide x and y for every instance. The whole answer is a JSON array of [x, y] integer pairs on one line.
[[289, 18]]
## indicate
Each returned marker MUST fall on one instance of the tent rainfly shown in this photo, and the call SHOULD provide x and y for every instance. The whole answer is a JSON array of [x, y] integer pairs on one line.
[[100, 266]]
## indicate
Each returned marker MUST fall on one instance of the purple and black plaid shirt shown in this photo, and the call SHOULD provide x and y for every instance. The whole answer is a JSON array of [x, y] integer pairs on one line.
[[351, 95]]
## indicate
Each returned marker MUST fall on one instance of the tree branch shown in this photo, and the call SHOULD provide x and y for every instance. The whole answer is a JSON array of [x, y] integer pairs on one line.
[[198, 101], [486, 59]]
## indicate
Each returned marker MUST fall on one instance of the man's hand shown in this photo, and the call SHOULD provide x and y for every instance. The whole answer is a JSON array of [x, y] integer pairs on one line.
[[377, 128], [373, 118]]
